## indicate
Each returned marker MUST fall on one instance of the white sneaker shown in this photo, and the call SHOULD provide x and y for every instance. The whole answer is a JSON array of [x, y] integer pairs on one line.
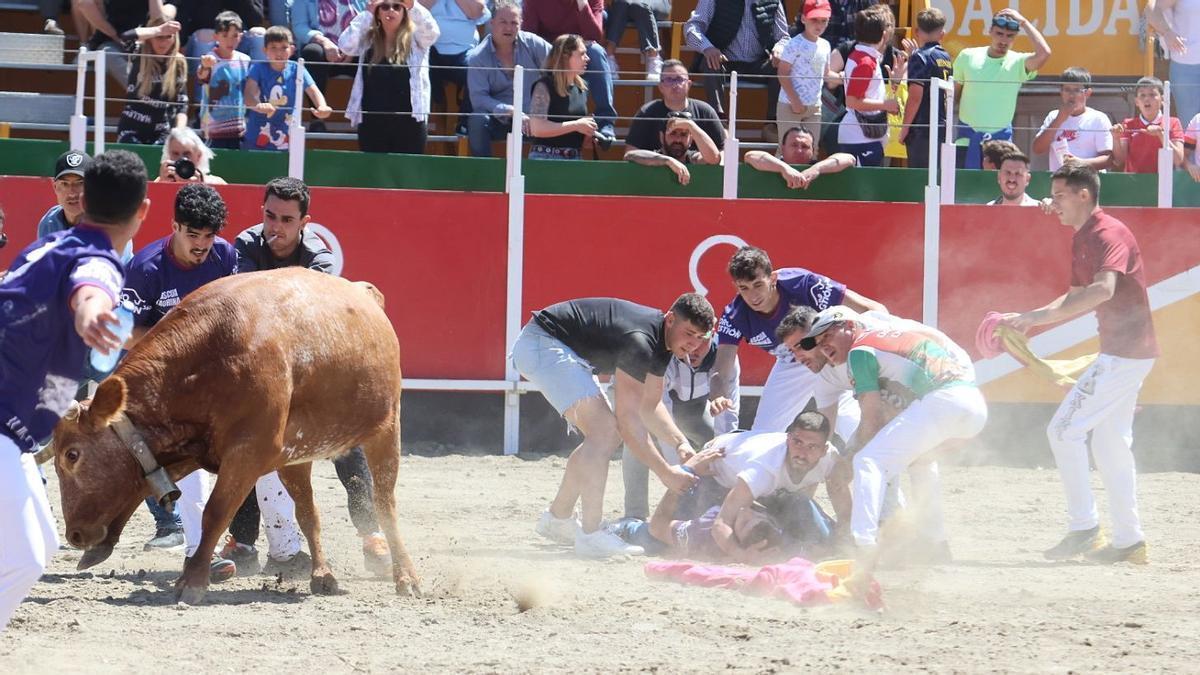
[[603, 544], [558, 530], [654, 67]]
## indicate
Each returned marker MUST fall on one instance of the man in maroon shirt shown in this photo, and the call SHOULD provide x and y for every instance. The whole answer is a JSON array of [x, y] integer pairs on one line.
[[551, 18], [1106, 276]]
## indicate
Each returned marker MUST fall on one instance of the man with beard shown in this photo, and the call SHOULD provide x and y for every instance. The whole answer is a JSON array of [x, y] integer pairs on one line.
[[1014, 179], [649, 124], [675, 142], [797, 148]]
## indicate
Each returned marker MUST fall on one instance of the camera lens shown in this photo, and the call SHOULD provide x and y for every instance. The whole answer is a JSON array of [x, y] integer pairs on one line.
[[184, 168]]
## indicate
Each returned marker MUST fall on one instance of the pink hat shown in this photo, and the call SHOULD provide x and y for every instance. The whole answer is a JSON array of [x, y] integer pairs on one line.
[[816, 9], [986, 341]]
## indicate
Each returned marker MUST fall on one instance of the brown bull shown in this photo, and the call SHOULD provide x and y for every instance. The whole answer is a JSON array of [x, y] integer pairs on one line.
[[249, 374]]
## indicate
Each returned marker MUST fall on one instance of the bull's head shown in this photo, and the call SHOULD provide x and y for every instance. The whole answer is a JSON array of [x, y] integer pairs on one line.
[[100, 482]]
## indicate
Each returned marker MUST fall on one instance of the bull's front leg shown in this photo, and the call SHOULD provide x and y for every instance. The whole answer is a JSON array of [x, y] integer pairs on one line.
[[297, 478], [227, 496]]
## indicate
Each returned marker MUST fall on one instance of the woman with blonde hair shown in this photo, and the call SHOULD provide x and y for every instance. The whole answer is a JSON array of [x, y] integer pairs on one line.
[[389, 103], [156, 95], [558, 116]]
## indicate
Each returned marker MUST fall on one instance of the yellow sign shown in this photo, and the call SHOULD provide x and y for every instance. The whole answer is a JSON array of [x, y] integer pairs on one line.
[[1100, 35]]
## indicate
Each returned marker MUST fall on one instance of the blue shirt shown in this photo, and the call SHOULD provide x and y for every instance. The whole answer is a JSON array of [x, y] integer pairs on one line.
[[55, 220], [491, 85], [154, 282], [41, 355], [458, 31], [926, 63], [797, 288], [276, 87]]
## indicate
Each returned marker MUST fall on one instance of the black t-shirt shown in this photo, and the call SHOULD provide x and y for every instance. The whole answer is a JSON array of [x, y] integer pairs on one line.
[[146, 120], [651, 120], [927, 63], [385, 88], [126, 14], [254, 254], [611, 334]]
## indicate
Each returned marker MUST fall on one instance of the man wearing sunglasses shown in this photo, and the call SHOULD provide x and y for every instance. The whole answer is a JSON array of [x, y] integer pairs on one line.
[[987, 82], [648, 130]]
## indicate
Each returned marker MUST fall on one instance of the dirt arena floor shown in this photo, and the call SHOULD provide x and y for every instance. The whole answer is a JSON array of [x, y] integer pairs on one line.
[[468, 520]]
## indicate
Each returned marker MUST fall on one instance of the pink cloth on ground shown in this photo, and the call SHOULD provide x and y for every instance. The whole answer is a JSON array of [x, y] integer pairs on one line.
[[796, 580], [986, 340]]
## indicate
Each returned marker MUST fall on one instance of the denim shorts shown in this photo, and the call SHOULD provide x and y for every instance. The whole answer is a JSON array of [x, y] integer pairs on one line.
[[562, 376]]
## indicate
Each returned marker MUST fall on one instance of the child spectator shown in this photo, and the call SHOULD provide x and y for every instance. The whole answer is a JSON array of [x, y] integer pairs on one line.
[[1137, 140], [994, 152], [803, 69], [1075, 130], [270, 88], [222, 76], [156, 95], [864, 129], [558, 116], [644, 15], [929, 61]]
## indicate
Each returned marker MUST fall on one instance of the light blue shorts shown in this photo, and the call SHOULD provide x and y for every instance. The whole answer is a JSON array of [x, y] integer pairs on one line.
[[562, 376]]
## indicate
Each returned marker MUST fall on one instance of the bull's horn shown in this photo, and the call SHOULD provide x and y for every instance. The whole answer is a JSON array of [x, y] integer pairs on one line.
[[45, 454], [73, 411]]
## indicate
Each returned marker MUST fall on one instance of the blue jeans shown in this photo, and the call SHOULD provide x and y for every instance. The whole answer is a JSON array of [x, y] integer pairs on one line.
[[482, 130], [164, 519], [279, 12], [599, 82], [1185, 90]]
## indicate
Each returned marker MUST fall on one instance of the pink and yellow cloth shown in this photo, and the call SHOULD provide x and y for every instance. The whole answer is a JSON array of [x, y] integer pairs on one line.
[[995, 338], [798, 581]]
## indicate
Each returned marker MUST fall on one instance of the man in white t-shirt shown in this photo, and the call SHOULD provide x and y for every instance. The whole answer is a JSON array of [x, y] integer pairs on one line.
[[1191, 148], [1178, 24], [760, 464], [1075, 130], [1013, 178], [803, 69]]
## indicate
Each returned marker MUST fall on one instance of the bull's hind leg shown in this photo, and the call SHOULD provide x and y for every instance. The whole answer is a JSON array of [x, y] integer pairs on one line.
[[297, 478], [383, 456]]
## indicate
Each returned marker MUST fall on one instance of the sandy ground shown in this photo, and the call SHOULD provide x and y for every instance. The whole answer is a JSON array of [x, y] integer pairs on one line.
[[468, 521]]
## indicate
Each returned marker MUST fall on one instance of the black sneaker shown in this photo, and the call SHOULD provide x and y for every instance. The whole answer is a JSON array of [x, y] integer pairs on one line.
[[165, 539], [1109, 555], [1076, 543]]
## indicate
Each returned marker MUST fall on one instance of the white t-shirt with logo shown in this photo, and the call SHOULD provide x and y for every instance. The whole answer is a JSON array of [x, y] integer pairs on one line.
[[757, 457], [1087, 135], [809, 61]]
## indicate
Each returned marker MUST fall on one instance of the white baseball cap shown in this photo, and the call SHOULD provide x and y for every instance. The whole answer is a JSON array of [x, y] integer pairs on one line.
[[825, 319]]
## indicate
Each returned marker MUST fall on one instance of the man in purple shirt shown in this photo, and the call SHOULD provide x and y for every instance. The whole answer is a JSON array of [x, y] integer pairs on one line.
[[764, 297], [56, 301]]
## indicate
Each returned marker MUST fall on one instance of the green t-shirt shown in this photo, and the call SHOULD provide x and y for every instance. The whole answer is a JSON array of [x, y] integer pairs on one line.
[[990, 88]]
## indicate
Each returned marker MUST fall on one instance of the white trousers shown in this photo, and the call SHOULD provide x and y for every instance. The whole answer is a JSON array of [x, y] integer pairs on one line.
[[788, 389], [1102, 402], [194, 489], [28, 532], [955, 412], [278, 517]]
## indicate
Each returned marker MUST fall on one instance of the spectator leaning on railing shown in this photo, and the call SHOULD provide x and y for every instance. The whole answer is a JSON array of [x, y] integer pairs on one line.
[[987, 81], [270, 93], [222, 77], [1137, 139], [797, 147], [735, 35], [1013, 178], [674, 147], [457, 20], [490, 77], [558, 117], [389, 103], [553, 18], [650, 123], [156, 95], [644, 15], [183, 148], [1075, 131]]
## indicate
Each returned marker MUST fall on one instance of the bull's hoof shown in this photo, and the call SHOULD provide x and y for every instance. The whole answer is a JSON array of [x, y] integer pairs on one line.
[[408, 588], [94, 556], [323, 584], [191, 595]]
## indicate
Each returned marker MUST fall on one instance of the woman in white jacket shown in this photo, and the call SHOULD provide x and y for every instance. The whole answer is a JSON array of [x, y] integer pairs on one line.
[[389, 104]]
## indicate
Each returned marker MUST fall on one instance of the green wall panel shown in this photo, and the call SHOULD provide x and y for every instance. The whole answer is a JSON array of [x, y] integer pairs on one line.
[[562, 177], [865, 184], [339, 168]]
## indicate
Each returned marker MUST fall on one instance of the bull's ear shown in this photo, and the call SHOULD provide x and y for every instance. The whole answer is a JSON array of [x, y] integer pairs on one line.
[[107, 404]]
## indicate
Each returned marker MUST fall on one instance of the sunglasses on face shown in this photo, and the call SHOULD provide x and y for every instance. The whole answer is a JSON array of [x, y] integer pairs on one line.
[[391, 6], [1006, 23]]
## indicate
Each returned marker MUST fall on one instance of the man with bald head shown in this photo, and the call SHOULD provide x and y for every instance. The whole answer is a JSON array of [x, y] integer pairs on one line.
[[797, 147]]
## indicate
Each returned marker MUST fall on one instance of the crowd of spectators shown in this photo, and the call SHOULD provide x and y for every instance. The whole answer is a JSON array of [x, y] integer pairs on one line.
[[842, 89]]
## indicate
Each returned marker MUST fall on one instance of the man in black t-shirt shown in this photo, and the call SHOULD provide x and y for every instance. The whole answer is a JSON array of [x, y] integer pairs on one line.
[[674, 147], [561, 350], [650, 123]]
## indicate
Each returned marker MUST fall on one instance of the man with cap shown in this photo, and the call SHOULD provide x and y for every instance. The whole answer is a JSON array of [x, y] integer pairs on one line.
[[936, 381], [68, 192]]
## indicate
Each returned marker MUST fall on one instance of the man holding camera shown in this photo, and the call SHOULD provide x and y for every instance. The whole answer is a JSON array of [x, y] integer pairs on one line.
[[675, 111], [185, 159]]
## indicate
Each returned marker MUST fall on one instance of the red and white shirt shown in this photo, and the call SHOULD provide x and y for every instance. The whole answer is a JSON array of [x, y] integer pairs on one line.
[[1126, 326], [864, 80], [1144, 147]]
